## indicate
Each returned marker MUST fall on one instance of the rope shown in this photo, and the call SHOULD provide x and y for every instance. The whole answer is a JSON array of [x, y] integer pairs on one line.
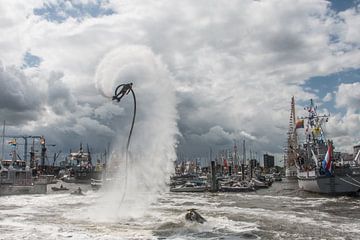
[[349, 182], [352, 178]]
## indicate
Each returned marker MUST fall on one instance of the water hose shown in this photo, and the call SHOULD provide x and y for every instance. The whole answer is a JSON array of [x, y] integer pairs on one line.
[[119, 94]]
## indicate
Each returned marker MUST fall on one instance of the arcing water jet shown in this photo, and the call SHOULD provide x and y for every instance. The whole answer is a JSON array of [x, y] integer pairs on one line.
[[153, 141]]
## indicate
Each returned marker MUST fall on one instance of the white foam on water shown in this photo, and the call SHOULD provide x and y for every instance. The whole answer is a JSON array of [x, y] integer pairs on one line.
[[62, 216]]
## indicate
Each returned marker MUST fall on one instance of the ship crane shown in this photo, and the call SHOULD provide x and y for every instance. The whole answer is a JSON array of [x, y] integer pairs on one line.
[[25, 137]]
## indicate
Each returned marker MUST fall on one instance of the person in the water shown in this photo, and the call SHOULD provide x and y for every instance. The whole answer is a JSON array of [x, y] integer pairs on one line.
[[193, 216]]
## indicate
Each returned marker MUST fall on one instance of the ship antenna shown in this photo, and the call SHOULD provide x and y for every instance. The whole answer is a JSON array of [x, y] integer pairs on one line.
[[119, 94]]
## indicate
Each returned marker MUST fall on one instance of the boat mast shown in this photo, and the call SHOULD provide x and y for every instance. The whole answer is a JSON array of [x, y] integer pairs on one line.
[[235, 161], [294, 140], [3, 143], [292, 144], [243, 163]]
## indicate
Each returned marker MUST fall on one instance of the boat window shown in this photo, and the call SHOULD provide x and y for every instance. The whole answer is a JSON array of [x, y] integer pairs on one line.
[[20, 175], [6, 163], [4, 175]]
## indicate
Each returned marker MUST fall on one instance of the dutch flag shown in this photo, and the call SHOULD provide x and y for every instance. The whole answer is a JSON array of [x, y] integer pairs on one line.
[[327, 162]]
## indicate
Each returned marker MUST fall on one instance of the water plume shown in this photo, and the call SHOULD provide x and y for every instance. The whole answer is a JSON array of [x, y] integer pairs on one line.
[[152, 147]]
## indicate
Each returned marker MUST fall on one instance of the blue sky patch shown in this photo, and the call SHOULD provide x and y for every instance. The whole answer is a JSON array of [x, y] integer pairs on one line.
[[322, 85], [31, 60], [63, 10], [342, 5]]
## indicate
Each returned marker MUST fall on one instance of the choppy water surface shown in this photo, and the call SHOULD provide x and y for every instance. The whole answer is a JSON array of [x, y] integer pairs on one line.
[[280, 212]]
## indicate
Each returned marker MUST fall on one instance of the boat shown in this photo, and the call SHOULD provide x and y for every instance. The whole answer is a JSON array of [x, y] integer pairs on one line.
[[267, 179], [61, 188], [319, 168], [78, 192], [48, 179], [260, 184], [16, 175], [96, 184], [277, 177], [189, 187], [181, 179], [16, 178], [241, 186], [82, 170]]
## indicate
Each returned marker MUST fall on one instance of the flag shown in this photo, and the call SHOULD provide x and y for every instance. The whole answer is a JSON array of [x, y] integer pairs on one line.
[[299, 123], [13, 142], [327, 162], [225, 163], [316, 131]]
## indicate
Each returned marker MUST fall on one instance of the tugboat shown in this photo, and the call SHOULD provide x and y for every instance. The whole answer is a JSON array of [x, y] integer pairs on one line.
[[319, 168], [82, 171], [16, 177]]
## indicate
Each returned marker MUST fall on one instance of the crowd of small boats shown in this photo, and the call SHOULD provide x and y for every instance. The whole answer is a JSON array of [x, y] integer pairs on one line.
[[19, 176], [313, 163], [223, 183]]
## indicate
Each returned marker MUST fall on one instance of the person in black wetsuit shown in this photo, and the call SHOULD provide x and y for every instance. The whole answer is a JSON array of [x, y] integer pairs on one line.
[[125, 90], [194, 216]]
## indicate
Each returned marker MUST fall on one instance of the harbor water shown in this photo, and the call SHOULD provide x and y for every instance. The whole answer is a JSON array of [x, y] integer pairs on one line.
[[279, 212]]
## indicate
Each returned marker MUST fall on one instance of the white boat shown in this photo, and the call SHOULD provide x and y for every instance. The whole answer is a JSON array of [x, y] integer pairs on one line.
[[242, 186], [319, 168], [189, 187], [96, 184], [259, 184]]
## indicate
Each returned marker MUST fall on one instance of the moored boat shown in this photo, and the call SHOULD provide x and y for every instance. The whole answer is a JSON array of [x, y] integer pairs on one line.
[[241, 186], [344, 180], [81, 169], [96, 184], [259, 184], [189, 187], [16, 178], [319, 168], [61, 188]]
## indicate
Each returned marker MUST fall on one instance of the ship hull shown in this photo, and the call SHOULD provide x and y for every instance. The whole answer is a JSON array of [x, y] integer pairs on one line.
[[17, 190], [83, 177], [337, 184], [291, 173], [188, 189], [16, 181]]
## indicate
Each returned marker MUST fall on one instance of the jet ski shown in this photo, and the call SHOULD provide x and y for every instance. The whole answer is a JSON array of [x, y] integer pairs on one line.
[[77, 192]]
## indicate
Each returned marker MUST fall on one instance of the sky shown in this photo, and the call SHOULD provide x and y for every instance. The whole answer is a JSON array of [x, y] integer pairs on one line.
[[233, 65]]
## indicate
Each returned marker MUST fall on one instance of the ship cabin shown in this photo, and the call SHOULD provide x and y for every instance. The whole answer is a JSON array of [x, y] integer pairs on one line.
[[15, 173]]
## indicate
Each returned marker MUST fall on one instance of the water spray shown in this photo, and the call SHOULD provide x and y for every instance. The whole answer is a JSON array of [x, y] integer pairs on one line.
[[145, 179], [119, 94]]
